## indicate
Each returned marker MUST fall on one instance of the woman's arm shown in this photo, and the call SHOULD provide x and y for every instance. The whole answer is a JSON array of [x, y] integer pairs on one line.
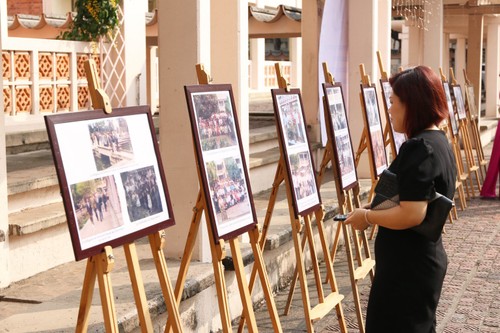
[[406, 215]]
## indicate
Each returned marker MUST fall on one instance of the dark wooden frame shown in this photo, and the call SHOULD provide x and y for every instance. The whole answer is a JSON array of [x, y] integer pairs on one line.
[[370, 134], [279, 126], [53, 122], [395, 136], [203, 175], [451, 109], [333, 135], [461, 113], [470, 101]]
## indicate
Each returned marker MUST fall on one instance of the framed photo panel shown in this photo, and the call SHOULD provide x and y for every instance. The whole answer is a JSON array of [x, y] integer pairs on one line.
[[111, 177], [452, 119], [398, 138], [292, 133], [374, 127], [338, 127], [459, 101], [470, 100], [221, 161]]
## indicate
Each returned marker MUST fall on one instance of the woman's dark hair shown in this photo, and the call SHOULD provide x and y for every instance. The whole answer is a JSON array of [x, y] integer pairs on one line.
[[422, 93]]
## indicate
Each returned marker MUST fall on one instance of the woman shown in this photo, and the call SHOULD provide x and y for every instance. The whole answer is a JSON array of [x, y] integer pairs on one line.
[[410, 269]]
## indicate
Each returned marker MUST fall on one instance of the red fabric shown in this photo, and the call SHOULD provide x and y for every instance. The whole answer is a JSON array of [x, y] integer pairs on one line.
[[490, 183]]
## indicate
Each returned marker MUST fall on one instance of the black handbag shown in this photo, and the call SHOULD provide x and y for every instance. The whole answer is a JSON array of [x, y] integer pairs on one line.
[[438, 208]]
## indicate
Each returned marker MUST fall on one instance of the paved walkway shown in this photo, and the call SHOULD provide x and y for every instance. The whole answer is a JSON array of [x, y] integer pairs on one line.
[[470, 300]]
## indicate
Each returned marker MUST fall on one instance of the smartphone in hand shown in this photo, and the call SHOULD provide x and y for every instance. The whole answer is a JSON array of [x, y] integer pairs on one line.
[[340, 217]]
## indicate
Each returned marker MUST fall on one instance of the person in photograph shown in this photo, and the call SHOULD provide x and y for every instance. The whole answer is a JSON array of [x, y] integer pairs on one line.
[[411, 268]]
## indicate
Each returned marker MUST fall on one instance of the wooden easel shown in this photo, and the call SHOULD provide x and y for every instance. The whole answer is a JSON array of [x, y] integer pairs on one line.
[[101, 265], [388, 133], [332, 300], [360, 263], [473, 122], [364, 142], [218, 253], [463, 129], [462, 176]]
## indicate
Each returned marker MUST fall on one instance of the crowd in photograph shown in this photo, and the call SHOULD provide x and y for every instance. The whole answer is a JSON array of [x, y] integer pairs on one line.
[[226, 195], [105, 138], [218, 125], [303, 183], [95, 203], [142, 193]]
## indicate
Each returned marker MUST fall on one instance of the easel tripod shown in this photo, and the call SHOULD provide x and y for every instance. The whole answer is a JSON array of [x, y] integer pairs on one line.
[[101, 265]]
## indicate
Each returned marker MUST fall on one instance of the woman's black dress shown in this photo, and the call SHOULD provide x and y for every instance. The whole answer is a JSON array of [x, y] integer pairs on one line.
[[410, 269]]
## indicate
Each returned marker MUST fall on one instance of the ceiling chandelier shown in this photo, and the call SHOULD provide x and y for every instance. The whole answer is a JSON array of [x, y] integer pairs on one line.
[[415, 12]]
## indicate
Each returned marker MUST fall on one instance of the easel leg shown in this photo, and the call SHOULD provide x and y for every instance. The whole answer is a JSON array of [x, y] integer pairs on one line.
[[329, 271], [104, 264], [302, 275], [243, 286], [264, 280], [82, 321], [278, 178], [354, 282], [314, 258], [293, 283], [138, 287], [157, 242], [186, 256]]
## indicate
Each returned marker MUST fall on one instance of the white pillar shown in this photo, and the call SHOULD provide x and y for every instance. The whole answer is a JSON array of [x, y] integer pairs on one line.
[[446, 54], [134, 33], [362, 51], [179, 53], [384, 35], [433, 36], [258, 58], [460, 60], [492, 70], [229, 55], [295, 47], [4, 216], [475, 55], [411, 46]]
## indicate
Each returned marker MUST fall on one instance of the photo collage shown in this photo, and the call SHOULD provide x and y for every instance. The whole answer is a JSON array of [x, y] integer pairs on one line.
[[222, 160], [459, 101], [341, 135], [452, 119], [297, 150], [113, 176], [375, 129]]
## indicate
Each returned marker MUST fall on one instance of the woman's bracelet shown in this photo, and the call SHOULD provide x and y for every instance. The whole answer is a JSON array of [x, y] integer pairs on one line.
[[366, 217]]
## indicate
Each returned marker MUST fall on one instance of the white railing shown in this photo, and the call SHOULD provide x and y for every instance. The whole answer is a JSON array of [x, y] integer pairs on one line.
[[43, 76]]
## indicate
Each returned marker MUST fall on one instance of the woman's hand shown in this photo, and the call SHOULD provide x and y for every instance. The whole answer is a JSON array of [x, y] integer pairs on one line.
[[357, 219]]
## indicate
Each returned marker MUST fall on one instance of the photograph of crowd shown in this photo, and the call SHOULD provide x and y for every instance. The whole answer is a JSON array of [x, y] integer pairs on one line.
[[142, 193], [97, 206], [454, 127], [292, 120], [378, 147], [228, 190], [111, 143], [457, 92], [304, 183], [337, 109], [215, 121], [346, 159], [371, 107]]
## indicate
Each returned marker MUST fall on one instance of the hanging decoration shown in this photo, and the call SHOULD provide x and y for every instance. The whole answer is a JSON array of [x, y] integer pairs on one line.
[[415, 12]]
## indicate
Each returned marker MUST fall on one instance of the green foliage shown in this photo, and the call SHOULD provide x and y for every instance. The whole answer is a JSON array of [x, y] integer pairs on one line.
[[94, 19]]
